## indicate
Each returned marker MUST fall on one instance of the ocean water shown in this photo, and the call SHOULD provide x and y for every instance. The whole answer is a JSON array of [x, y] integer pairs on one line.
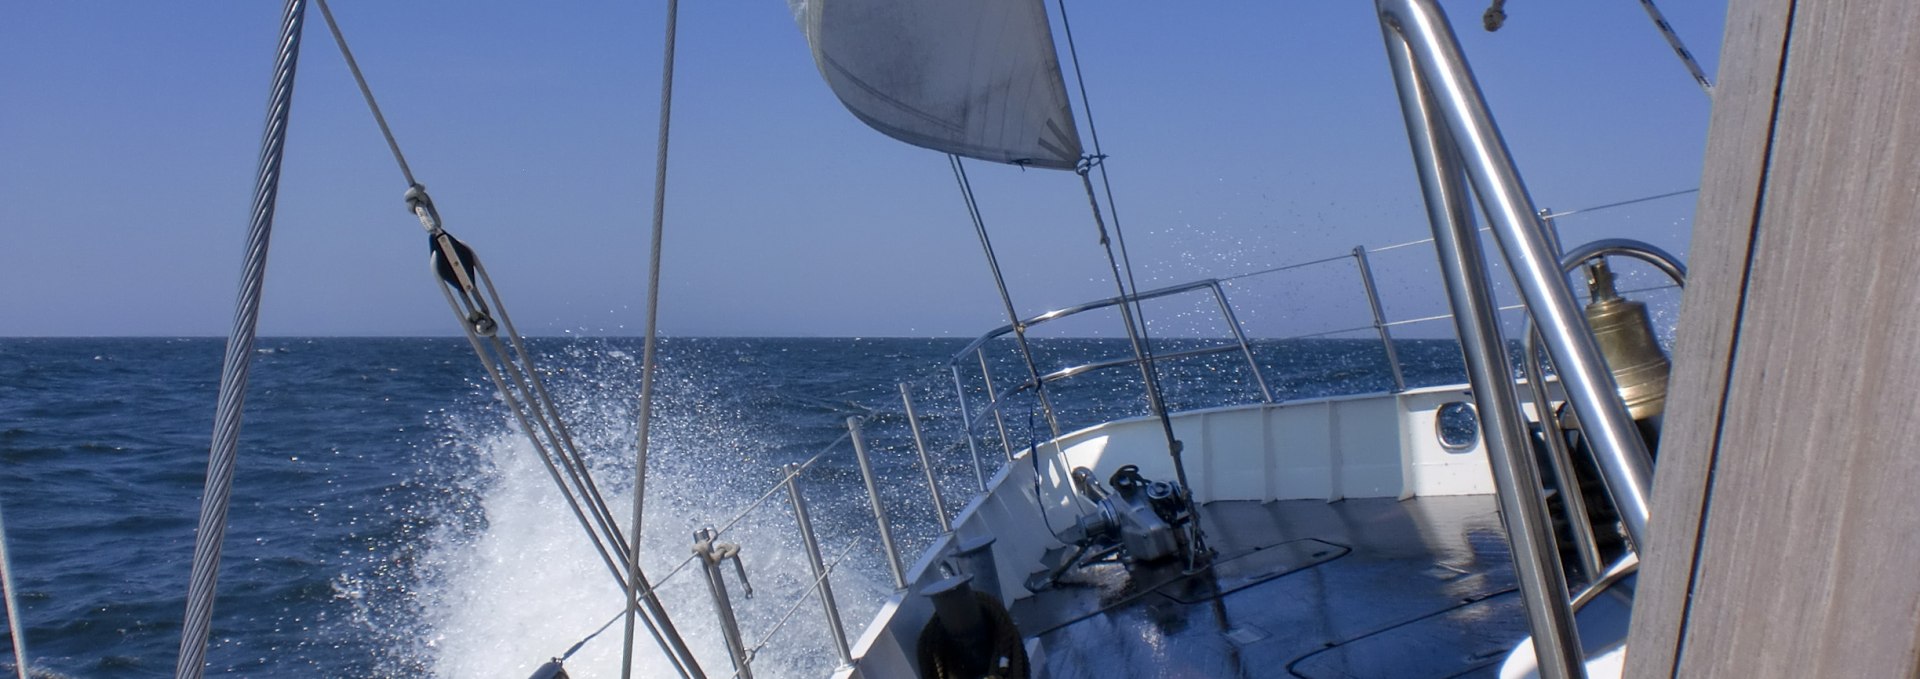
[[388, 520]]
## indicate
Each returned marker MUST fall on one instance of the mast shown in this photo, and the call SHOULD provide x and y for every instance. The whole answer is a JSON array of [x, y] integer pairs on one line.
[[1784, 544]]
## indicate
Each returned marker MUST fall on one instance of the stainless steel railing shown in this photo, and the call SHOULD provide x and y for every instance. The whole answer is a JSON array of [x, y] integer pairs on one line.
[[1457, 148], [975, 351]]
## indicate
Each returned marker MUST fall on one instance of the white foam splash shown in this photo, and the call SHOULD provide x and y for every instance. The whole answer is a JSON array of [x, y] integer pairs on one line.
[[500, 597]]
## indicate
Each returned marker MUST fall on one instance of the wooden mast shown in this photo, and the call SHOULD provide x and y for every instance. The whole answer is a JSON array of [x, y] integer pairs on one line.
[[1785, 537]]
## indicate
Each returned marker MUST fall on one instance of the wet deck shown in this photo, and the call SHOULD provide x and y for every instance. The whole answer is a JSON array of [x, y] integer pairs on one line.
[[1357, 588]]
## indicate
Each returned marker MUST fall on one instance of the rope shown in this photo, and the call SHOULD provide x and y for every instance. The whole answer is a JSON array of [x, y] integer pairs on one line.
[[366, 92], [224, 449], [1679, 48], [648, 348], [15, 625]]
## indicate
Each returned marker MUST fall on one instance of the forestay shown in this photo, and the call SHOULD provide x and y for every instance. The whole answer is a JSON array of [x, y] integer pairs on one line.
[[978, 78]]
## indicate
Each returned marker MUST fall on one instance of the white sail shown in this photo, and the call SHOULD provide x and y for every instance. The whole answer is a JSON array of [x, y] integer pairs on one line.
[[977, 78]]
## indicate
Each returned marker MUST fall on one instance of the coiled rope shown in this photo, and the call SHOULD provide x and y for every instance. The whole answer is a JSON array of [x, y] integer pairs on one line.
[[234, 365]]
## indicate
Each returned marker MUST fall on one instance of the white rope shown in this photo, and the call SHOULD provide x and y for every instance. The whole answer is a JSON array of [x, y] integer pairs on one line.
[[224, 448], [647, 352]]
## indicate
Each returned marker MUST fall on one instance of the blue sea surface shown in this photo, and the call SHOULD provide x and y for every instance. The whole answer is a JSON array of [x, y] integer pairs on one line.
[[385, 520]]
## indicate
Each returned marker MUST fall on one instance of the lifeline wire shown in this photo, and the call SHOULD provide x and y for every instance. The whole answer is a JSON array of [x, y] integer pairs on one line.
[[224, 449], [1555, 215], [647, 350]]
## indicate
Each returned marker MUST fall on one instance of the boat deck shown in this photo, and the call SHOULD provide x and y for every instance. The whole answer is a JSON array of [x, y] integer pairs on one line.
[[1311, 589]]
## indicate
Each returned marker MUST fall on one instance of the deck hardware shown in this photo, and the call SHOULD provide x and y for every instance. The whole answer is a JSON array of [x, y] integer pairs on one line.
[[711, 553]]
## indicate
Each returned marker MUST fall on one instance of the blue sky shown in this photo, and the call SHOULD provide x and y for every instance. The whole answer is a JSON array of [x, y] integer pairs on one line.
[[1243, 135]]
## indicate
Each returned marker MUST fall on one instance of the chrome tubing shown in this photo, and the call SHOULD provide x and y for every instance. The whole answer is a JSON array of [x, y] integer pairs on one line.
[[1240, 335], [1627, 247], [1083, 368], [1416, 34], [999, 421], [978, 346], [829, 608], [1079, 308], [920, 446], [1379, 316], [703, 547], [1433, 57], [879, 512], [966, 428]]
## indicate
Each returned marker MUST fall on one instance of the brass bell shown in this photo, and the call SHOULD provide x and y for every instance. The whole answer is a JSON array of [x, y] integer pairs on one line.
[[1625, 334]]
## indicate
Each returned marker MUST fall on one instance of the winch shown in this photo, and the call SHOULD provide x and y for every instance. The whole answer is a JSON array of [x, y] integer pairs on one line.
[[1140, 515], [1138, 521]]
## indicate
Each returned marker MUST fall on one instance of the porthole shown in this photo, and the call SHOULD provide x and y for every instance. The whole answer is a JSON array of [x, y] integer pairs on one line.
[[1457, 425]]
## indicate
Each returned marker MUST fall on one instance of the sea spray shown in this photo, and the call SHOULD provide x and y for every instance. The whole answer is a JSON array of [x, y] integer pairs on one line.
[[527, 585]]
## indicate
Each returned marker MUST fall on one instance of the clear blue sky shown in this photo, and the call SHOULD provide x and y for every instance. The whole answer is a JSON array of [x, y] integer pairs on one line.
[[1243, 135]]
